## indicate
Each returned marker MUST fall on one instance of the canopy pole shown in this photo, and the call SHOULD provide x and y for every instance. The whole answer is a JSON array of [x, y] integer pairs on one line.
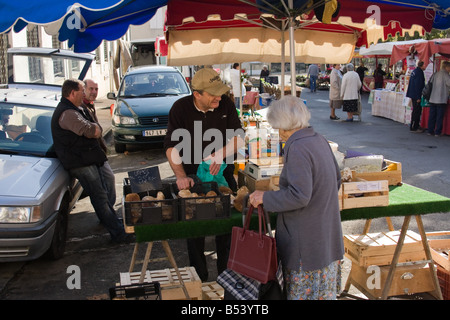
[[283, 60], [292, 48], [240, 91]]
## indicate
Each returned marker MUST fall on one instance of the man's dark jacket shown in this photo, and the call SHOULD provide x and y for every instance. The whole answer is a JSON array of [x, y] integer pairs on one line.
[[74, 151], [416, 84]]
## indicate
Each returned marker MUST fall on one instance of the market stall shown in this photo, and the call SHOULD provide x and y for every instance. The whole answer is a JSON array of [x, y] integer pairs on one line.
[[432, 52], [381, 53]]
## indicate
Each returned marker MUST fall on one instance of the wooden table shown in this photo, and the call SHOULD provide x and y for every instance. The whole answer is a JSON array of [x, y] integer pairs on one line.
[[404, 201]]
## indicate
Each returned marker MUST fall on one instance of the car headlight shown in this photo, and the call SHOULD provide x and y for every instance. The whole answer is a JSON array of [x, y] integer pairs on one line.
[[124, 120], [19, 214]]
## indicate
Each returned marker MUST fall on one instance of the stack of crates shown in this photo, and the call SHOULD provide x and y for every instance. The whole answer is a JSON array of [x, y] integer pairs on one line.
[[377, 249]]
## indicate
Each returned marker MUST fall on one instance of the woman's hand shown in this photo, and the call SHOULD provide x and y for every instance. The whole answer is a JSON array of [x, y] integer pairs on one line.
[[256, 198]]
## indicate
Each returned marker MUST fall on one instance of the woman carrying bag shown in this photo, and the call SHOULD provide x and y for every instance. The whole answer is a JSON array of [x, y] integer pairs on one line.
[[308, 234]]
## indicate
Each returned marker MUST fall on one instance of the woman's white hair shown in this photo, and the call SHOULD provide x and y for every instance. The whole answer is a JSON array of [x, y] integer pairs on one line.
[[288, 113]]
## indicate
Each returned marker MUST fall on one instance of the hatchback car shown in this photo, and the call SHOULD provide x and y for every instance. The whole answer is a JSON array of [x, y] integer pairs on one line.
[[36, 193], [142, 105]]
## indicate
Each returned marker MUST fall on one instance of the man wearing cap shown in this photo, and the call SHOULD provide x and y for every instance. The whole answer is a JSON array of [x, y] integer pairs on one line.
[[192, 121]]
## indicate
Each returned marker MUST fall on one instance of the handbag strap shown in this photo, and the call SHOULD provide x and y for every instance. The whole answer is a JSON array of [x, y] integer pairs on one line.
[[261, 219]]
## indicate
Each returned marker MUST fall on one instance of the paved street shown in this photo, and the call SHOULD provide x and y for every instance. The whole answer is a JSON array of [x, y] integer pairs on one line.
[[425, 163]]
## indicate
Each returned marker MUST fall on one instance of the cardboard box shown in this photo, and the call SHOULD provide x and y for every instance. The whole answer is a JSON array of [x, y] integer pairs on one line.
[[264, 167], [253, 184], [393, 175]]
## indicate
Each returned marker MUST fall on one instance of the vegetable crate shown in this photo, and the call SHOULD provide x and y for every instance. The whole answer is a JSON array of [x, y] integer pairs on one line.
[[440, 248], [392, 173], [168, 281], [203, 202], [378, 248], [139, 291], [360, 194], [410, 279], [144, 211]]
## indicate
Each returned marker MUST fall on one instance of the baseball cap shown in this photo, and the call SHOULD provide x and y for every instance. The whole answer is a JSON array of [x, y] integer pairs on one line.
[[207, 79]]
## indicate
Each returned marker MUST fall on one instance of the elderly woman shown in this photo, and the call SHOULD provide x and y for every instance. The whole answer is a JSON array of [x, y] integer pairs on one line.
[[335, 90], [309, 233], [351, 84]]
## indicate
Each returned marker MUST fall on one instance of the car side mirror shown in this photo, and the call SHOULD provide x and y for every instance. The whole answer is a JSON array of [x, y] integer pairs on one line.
[[111, 95]]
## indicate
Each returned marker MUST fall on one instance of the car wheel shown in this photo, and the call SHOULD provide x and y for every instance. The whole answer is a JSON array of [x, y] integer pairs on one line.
[[58, 245], [120, 147]]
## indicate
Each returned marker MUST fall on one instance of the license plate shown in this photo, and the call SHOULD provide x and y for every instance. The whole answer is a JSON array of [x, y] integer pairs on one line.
[[154, 133]]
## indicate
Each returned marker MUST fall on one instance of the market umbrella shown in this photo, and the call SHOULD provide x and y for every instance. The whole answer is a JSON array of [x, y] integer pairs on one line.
[[212, 32], [424, 50], [109, 19]]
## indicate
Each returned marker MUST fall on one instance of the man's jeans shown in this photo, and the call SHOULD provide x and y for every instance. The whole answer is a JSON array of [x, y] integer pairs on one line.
[[436, 118], [92, 180], [312, 83]]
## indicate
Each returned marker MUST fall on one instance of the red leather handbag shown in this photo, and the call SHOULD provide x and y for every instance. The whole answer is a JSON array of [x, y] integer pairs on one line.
[[253, 254]]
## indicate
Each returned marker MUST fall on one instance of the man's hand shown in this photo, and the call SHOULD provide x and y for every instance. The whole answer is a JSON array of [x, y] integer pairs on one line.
[[185, 183]]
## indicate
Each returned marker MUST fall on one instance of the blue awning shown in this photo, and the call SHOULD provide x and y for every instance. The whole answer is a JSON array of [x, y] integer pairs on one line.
[[439, 8], [84, 24]]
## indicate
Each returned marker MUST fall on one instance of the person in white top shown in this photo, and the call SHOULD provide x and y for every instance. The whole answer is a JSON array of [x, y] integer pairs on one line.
[[237, 86], [335, 90], [350, 92]]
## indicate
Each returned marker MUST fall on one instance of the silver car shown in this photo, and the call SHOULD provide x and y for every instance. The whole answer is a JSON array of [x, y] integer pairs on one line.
[[36, 193]]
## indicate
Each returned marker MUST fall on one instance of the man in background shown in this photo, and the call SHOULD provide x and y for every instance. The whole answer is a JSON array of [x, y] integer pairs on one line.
[[414, 92]]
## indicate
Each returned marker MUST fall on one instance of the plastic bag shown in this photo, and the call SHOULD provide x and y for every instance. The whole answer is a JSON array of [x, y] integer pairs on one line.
[[204, 175]]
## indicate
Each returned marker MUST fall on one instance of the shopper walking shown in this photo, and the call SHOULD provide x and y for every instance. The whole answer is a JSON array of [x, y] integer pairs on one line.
[[350, 92]]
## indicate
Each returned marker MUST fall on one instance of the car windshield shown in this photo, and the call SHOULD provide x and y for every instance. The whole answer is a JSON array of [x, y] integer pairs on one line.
[[153, 84], [26, 130]]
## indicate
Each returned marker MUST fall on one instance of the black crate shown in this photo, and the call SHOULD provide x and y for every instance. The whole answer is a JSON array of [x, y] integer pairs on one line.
[[203, 207], [150, 212], [138, 291]]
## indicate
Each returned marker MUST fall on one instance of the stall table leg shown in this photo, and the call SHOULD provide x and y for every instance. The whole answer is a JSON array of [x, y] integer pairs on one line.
[[145, 262], [387, 284]]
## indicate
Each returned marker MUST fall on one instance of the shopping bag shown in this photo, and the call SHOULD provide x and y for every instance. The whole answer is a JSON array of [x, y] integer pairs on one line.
[[240, 287], [426, 91], [253, 254]]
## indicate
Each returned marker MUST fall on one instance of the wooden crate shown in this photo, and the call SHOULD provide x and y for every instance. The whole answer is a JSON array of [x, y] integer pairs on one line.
[[440, 248], [168, 278], [360, 194], [212, 291], [340, 197], [407, 280], [393, 176], [378, 248]]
